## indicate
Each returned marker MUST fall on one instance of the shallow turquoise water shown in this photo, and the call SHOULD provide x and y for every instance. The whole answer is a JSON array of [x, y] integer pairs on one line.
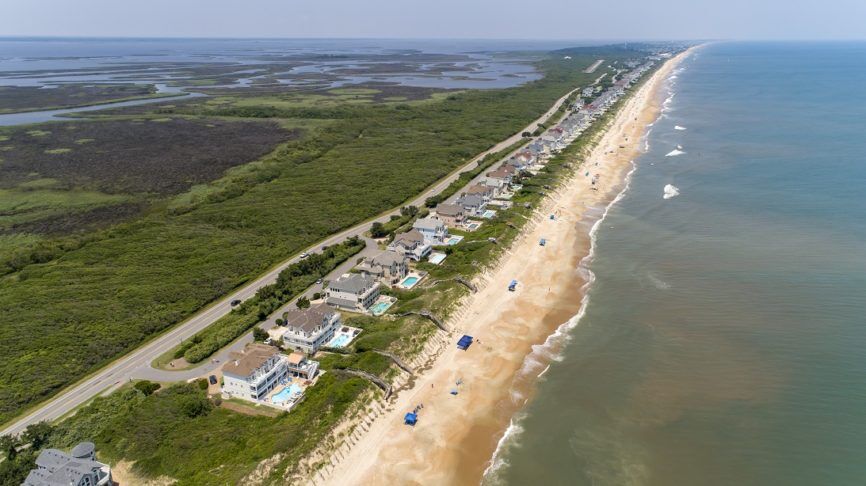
[[725, 335]]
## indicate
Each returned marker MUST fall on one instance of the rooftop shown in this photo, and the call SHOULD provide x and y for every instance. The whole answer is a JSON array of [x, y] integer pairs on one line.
[[309, 319], [353, 283], [449, 210], [253, 357]]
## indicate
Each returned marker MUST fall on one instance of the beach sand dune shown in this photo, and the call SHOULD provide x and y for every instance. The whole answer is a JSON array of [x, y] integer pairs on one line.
[[456, 436]]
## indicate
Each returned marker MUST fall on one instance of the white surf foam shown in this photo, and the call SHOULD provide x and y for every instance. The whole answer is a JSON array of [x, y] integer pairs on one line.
[[677, 127], [674, 153], [671, 191]]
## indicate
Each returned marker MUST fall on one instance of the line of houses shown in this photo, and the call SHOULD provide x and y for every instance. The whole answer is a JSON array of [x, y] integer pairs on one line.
[[262, 373]]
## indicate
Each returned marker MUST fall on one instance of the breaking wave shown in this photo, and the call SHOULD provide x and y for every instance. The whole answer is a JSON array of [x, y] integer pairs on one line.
[[671, 191], [677, 127], [674, 153]]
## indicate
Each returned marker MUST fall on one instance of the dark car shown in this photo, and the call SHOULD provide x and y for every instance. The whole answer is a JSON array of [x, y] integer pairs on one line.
[[236, 302], [212, 379]]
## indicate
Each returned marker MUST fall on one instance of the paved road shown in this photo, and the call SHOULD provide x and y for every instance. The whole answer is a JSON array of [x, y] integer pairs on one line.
[[137, 363]]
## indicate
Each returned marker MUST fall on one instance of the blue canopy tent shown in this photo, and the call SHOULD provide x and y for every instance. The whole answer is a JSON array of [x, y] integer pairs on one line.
[[464, 342], [411, 418]]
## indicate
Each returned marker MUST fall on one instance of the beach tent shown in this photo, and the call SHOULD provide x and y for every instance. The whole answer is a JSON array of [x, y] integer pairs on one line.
[[464, 342], [411, 418]]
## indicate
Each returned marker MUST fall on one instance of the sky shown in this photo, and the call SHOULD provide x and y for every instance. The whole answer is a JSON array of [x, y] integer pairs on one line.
[[476, 19]]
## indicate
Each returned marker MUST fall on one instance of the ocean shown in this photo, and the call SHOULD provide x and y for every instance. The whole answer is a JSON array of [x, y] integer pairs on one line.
[[724, 339]]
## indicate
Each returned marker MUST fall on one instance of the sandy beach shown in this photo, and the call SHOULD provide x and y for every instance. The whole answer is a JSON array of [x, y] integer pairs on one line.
[[456, 435]]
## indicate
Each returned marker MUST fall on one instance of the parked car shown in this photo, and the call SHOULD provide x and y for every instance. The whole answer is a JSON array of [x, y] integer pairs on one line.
[[319, 282], [236, 302], [304, 255], [212, 379]]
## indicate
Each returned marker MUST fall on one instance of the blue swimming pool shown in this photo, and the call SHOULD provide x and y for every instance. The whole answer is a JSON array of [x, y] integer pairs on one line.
[[488, 214], [410, 281], [340, 340], [455, 239], [380, 308], [284, 395]]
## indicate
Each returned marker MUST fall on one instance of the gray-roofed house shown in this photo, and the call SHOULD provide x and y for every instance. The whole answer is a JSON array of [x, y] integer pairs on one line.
[[353, 292], [473, 204], [433, 230], [389, 267], [480, 190], [78, 468], [411, 245], [451, 214], [309, 329]]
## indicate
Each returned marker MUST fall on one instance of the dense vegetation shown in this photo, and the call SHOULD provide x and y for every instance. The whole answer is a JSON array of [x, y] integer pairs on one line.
[[296, 278], [15, 99], [97, 299]]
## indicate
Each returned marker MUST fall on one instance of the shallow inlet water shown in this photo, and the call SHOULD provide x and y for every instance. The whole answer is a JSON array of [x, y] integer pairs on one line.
[[171, 65], [724, 338]]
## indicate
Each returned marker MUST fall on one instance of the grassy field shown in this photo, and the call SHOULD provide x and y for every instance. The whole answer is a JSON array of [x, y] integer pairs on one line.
[[95, 298]]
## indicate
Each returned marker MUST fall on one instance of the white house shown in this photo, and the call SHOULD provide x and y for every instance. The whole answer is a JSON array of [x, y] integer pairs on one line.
[[78, 468], [301, 367], [389, 267], [353, 292], [309, 329], [433, 230], [410, 244], [254, 372]]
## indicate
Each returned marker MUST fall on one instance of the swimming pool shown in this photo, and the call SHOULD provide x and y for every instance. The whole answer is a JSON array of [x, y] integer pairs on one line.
[[436, 258], [488, 214], [287, 393], [410, 281], [454, 240], [380, 307], [340, 340]]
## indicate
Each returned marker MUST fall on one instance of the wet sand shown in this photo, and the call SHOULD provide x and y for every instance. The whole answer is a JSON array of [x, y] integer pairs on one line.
[[456, 436]]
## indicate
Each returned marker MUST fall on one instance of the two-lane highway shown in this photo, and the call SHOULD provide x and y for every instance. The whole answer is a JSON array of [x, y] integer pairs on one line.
[[137, 362]]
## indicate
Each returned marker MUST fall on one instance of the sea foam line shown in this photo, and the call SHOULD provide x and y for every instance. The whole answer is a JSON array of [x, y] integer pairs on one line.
[[514, 429], [559, 337]]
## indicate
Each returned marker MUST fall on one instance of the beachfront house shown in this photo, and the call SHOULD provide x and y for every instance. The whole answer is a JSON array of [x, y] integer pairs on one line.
[[411, 245], [481, 190], [499, 179], [353, 292], [78, 468], [472, 204], [450, 214], [432, 229], [254, 372], [389, 267], [301, 367], [309, 329]]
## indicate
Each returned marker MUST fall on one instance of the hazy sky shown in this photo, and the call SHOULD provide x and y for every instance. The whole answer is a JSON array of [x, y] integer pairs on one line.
[[504, 19]]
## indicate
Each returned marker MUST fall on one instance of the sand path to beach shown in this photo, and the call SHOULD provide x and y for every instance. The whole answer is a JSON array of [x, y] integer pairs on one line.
[[456, 436]]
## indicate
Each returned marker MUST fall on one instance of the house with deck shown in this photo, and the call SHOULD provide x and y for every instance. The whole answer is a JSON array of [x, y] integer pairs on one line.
[[472, 204], [252, 373], [451, 214], [481, 190], [301, 367], [432, 229], [389, 267], [353, 292], [411, 245], [309, 329]]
